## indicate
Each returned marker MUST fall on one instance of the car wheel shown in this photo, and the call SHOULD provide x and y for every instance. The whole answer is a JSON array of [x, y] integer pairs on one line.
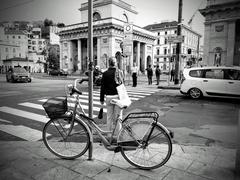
[[195, 93], [30, 80]]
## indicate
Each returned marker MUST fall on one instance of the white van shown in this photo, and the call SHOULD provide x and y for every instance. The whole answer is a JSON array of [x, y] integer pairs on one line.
[[211, 81]]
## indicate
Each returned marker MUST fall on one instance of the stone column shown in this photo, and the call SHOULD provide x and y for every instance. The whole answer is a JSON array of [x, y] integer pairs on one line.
[[70, 56], [206, 54], [230, 43], [61, 55], [98, 50], [138, 53], [79, 55]]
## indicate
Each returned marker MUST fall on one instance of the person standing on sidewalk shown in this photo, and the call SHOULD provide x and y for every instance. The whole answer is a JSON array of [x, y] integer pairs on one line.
[[134, 75], [172, 75], [149, 74], [109, 90], [157, 73]]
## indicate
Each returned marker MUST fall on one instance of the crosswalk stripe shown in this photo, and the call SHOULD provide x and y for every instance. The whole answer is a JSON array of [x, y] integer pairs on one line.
[[25, 114], [23, 132], [86, 93], [5, 121]]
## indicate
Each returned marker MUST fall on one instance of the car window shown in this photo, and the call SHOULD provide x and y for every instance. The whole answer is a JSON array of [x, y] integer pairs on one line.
[[19, 70], [231, 74], [214, 73], [196, 73]]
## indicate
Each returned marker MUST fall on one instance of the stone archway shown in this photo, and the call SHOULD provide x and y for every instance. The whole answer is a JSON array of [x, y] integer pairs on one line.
[[149, 61], [217, 56]]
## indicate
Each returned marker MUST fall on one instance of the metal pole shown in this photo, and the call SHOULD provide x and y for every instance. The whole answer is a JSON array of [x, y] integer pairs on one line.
[[90, 66], [178, 48]]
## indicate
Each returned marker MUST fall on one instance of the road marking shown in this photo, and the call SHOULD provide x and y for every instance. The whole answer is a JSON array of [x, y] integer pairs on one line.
[[25, 114], [23, 132], [5, 121], [86, 93]]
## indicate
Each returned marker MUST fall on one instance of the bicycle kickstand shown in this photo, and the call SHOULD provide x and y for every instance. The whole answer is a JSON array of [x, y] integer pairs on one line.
[[109, 168]]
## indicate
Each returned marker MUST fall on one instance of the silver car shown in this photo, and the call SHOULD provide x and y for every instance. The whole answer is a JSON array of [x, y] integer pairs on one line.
[[18, 74]]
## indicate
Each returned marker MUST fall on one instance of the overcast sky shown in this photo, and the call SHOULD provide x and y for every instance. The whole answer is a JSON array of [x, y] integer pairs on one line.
[[66, 11]]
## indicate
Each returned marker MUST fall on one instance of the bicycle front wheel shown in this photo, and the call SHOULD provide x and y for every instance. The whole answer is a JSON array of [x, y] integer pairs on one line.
[[146, 155], [57, 139]]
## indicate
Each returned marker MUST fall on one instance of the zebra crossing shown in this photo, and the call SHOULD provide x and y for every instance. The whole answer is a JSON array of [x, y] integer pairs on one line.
[[25, 120]]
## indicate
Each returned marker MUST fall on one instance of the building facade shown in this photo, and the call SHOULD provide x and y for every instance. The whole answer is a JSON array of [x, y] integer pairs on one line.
[[165, 47], [23, 48], [109, 19], [222, 32]]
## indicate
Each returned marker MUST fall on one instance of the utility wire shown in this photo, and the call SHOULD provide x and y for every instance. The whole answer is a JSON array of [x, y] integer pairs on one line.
[[16, 5], [191, 19]]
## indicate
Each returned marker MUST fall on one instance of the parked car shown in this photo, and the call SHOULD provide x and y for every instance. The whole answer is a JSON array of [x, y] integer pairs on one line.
[[58, 72], [211, 81], [18, 74]]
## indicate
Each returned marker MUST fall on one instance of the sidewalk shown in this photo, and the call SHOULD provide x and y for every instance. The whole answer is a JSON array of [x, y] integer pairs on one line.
[[31, 160]]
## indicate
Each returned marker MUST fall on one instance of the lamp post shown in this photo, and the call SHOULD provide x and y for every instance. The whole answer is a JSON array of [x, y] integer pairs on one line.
[[178, 48]]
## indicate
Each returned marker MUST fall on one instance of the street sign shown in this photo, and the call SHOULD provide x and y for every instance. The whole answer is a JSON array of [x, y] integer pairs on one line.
[[127, 49], [175, 39]]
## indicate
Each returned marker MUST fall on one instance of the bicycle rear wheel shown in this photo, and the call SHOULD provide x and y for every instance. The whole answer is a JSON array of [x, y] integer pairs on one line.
[[62, 145], [140, 154]]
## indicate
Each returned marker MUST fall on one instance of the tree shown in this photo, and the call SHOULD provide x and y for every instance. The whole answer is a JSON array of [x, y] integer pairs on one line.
[[53, 59], [48, 22]]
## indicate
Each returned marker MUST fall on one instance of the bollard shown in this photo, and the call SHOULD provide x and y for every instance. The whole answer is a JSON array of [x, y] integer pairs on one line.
[[237, 166]]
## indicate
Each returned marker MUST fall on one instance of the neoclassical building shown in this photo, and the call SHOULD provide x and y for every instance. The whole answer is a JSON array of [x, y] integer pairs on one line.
[[222, 32], [109, 19]]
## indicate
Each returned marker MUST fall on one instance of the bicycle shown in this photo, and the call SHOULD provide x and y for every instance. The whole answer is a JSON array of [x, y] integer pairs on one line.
[[143, 141]]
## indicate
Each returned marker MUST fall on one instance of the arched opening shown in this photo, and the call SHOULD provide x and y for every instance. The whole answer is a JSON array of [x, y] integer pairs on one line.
[[96, 16], [118, 56], [217, 56], [149, 61], [125, 18]]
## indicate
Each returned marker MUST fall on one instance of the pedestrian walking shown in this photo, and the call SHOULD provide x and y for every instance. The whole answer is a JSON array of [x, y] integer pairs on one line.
[[157, 73], [149, 74], [109, 91], [172, 75], [134, 75]]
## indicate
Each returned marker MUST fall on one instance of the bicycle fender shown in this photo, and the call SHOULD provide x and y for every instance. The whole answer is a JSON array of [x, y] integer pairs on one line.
[[164, 128]]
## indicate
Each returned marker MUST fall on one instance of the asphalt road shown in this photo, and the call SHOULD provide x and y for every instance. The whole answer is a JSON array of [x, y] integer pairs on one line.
[[209, 121]]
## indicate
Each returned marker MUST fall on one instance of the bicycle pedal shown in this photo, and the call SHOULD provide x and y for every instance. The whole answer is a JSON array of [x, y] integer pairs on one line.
[[171, 134]]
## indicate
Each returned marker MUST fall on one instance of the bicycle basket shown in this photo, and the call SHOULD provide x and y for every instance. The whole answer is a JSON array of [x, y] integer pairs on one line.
[[55, 107]]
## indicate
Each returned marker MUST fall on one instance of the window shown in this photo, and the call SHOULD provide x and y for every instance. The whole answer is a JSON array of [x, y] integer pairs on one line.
[[14, 50], [165, 41], [158, 51], [165, 51], [6, 49], [214, 73], [158, 41], [13, 37], [231, 74], [20, 55], [158, 33], [165, 32], [196, 73], [19, 37], [33, 42]]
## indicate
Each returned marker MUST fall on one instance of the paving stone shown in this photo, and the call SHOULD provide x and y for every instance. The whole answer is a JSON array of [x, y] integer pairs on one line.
[[59, 173], [211, 172], [12, 174], [158, 173], [116, 174], [90, 168], [178, 163], [182, 175], [32, 165]]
